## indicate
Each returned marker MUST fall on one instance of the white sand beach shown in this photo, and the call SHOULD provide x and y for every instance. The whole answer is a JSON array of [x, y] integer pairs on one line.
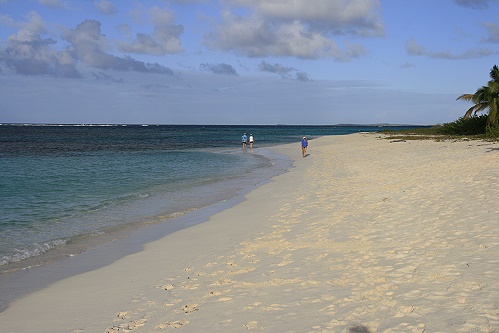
[[364, 235]]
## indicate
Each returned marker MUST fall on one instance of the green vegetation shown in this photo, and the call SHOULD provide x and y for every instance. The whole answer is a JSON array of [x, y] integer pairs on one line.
[[465, 126], [486, 99], [462, 129], [471, 125], [423, 133]]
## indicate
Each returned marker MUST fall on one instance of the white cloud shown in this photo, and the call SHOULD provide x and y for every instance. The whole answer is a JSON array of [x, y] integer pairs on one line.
[[493, 30], [106, 7], [203, 98], [359, 17], [34, 22], [88, 45], [297, 28], [29, 53], [255, 37], [275, 68], [165, 38], [416, 49], [7, 20], [224, 69], [283, 71]]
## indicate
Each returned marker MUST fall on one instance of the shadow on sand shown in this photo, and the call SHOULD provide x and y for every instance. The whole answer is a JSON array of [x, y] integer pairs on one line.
[[358, 329]]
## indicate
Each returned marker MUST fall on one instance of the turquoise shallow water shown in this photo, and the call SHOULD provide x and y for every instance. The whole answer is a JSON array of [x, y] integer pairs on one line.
[[60, 185]]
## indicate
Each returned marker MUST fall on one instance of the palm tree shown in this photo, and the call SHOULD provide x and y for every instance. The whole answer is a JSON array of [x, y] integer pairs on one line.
[[485, 98]]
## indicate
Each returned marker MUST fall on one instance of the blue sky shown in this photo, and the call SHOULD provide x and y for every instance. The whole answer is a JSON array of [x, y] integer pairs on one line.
[[243, 61]]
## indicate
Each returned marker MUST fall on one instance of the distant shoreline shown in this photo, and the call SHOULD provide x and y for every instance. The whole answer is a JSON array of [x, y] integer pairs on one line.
[[231, 125]]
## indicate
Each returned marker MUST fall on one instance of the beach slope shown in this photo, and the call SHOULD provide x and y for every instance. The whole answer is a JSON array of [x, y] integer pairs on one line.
[[363, 235]]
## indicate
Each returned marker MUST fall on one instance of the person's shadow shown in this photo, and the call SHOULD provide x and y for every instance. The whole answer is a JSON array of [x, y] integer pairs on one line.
[[358, 329]]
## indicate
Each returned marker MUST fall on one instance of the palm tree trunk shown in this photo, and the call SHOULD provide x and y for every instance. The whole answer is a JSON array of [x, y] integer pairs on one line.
[[493, 117]]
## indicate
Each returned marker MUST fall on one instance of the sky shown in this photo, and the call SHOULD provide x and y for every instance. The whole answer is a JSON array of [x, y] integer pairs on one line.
[[299, 62]]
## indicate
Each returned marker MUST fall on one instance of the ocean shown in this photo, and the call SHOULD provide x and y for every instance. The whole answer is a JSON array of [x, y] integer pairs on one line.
[[66, 187]]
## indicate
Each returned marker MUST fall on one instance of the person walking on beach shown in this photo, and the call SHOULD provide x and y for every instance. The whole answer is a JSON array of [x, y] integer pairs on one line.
[[251, 140], [244, 138], [304, 145]]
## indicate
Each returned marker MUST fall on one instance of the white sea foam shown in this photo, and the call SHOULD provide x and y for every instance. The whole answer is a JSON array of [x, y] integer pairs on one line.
[[32, 251], [84, 180]]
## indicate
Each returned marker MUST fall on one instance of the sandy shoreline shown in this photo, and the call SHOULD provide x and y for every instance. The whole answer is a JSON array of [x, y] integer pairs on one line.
[[364, 235]]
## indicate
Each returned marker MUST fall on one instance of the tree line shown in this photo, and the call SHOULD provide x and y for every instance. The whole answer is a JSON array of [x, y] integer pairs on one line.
[[485, 100]]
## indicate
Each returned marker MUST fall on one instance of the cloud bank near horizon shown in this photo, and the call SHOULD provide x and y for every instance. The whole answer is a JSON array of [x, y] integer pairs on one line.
[[165, 46]]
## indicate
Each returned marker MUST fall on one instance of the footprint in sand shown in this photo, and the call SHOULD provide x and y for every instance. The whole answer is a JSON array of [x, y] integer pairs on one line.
[[167, 287], [405, 310], [273, 307], [330, 309], [122, 315], [126, 327], [188, 308], [176, 301], [241, 271], [285, 262], [251, 325], [190, 286], [225, 299], [466, 286], [172, 324], [253, 305], [222, 282]]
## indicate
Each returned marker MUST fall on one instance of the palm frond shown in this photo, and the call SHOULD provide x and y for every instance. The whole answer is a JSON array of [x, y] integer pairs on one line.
[[493, 117], [466, 97], [493, 87], [494, 73], [469, 112], [486, 98]]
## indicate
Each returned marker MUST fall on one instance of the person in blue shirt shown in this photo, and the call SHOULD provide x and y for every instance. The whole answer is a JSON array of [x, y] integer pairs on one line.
[[244, 138], [304, 145]]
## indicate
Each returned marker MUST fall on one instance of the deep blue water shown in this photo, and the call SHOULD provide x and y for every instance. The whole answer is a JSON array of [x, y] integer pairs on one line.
[[60, 185]]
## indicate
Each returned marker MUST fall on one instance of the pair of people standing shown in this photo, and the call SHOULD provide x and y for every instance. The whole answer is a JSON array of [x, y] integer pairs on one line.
[[245, 140]]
